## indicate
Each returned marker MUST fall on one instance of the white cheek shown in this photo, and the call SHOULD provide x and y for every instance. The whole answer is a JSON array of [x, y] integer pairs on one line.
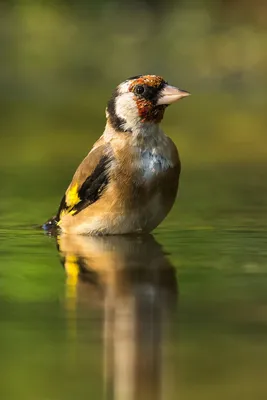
[[126, 109], [153, 164], [124, 87]]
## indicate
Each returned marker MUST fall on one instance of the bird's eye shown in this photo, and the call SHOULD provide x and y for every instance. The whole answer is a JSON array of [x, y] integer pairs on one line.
[[139, 89]]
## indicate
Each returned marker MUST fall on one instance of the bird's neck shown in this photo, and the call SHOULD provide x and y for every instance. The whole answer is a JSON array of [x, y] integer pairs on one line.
[[141, 130]]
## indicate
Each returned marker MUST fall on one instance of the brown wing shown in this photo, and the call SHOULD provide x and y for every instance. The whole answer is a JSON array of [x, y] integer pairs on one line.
[[88, 183]]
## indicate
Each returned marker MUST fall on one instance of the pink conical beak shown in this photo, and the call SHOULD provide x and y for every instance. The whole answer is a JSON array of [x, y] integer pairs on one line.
[[171, 94]]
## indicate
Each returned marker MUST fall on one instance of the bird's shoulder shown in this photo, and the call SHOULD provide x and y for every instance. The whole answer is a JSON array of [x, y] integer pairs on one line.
[[97, 158]]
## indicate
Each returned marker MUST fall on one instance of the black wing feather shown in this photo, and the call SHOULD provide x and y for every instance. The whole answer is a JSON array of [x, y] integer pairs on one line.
[[92, 188]]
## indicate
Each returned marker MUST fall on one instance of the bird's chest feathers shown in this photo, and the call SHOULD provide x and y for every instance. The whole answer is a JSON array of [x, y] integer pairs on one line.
[[153, 164]]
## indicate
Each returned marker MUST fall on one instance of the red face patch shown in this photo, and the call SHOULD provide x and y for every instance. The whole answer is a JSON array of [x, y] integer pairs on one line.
[[148, 112], [147, 109]]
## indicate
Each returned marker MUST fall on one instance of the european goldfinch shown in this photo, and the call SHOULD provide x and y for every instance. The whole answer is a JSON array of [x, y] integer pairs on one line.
[[129, 180]]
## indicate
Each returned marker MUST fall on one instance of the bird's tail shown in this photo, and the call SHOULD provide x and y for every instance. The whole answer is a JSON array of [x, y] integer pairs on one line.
[[50, 226]]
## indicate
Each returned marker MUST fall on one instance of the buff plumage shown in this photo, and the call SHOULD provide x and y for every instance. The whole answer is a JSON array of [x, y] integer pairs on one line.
[[129, 180]]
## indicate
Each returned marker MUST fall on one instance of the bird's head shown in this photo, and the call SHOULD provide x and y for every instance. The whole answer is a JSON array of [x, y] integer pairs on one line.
[[141, 99]]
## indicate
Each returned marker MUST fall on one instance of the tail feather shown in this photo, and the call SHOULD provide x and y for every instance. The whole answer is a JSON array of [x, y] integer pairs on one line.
[[50, 225]]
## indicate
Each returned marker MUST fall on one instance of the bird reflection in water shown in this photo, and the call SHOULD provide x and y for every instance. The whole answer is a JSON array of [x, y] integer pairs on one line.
[[134, 283]]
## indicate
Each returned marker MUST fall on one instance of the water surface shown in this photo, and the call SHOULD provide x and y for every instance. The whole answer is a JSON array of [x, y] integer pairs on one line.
[[180, 314]]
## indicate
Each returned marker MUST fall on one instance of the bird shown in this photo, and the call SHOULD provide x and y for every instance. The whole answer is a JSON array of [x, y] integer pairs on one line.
[[128, 182]]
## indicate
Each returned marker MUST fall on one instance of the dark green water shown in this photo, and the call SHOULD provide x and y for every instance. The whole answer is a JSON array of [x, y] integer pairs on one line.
[[181, 314]]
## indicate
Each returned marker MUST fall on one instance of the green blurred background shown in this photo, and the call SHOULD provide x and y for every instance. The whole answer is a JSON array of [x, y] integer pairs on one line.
[[60, 61]]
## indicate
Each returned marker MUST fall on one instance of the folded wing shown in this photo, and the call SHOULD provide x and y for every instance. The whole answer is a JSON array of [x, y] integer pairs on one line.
[[88, 184]]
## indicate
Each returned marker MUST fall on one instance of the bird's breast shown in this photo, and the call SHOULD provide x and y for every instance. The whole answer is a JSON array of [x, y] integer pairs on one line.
[[153, 163]]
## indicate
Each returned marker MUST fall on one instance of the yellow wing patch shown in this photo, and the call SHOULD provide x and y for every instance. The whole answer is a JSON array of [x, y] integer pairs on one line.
[[72, 197]]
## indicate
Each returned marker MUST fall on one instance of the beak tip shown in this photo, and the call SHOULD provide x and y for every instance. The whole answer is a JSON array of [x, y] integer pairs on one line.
[[185, 93], [171, 94]]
